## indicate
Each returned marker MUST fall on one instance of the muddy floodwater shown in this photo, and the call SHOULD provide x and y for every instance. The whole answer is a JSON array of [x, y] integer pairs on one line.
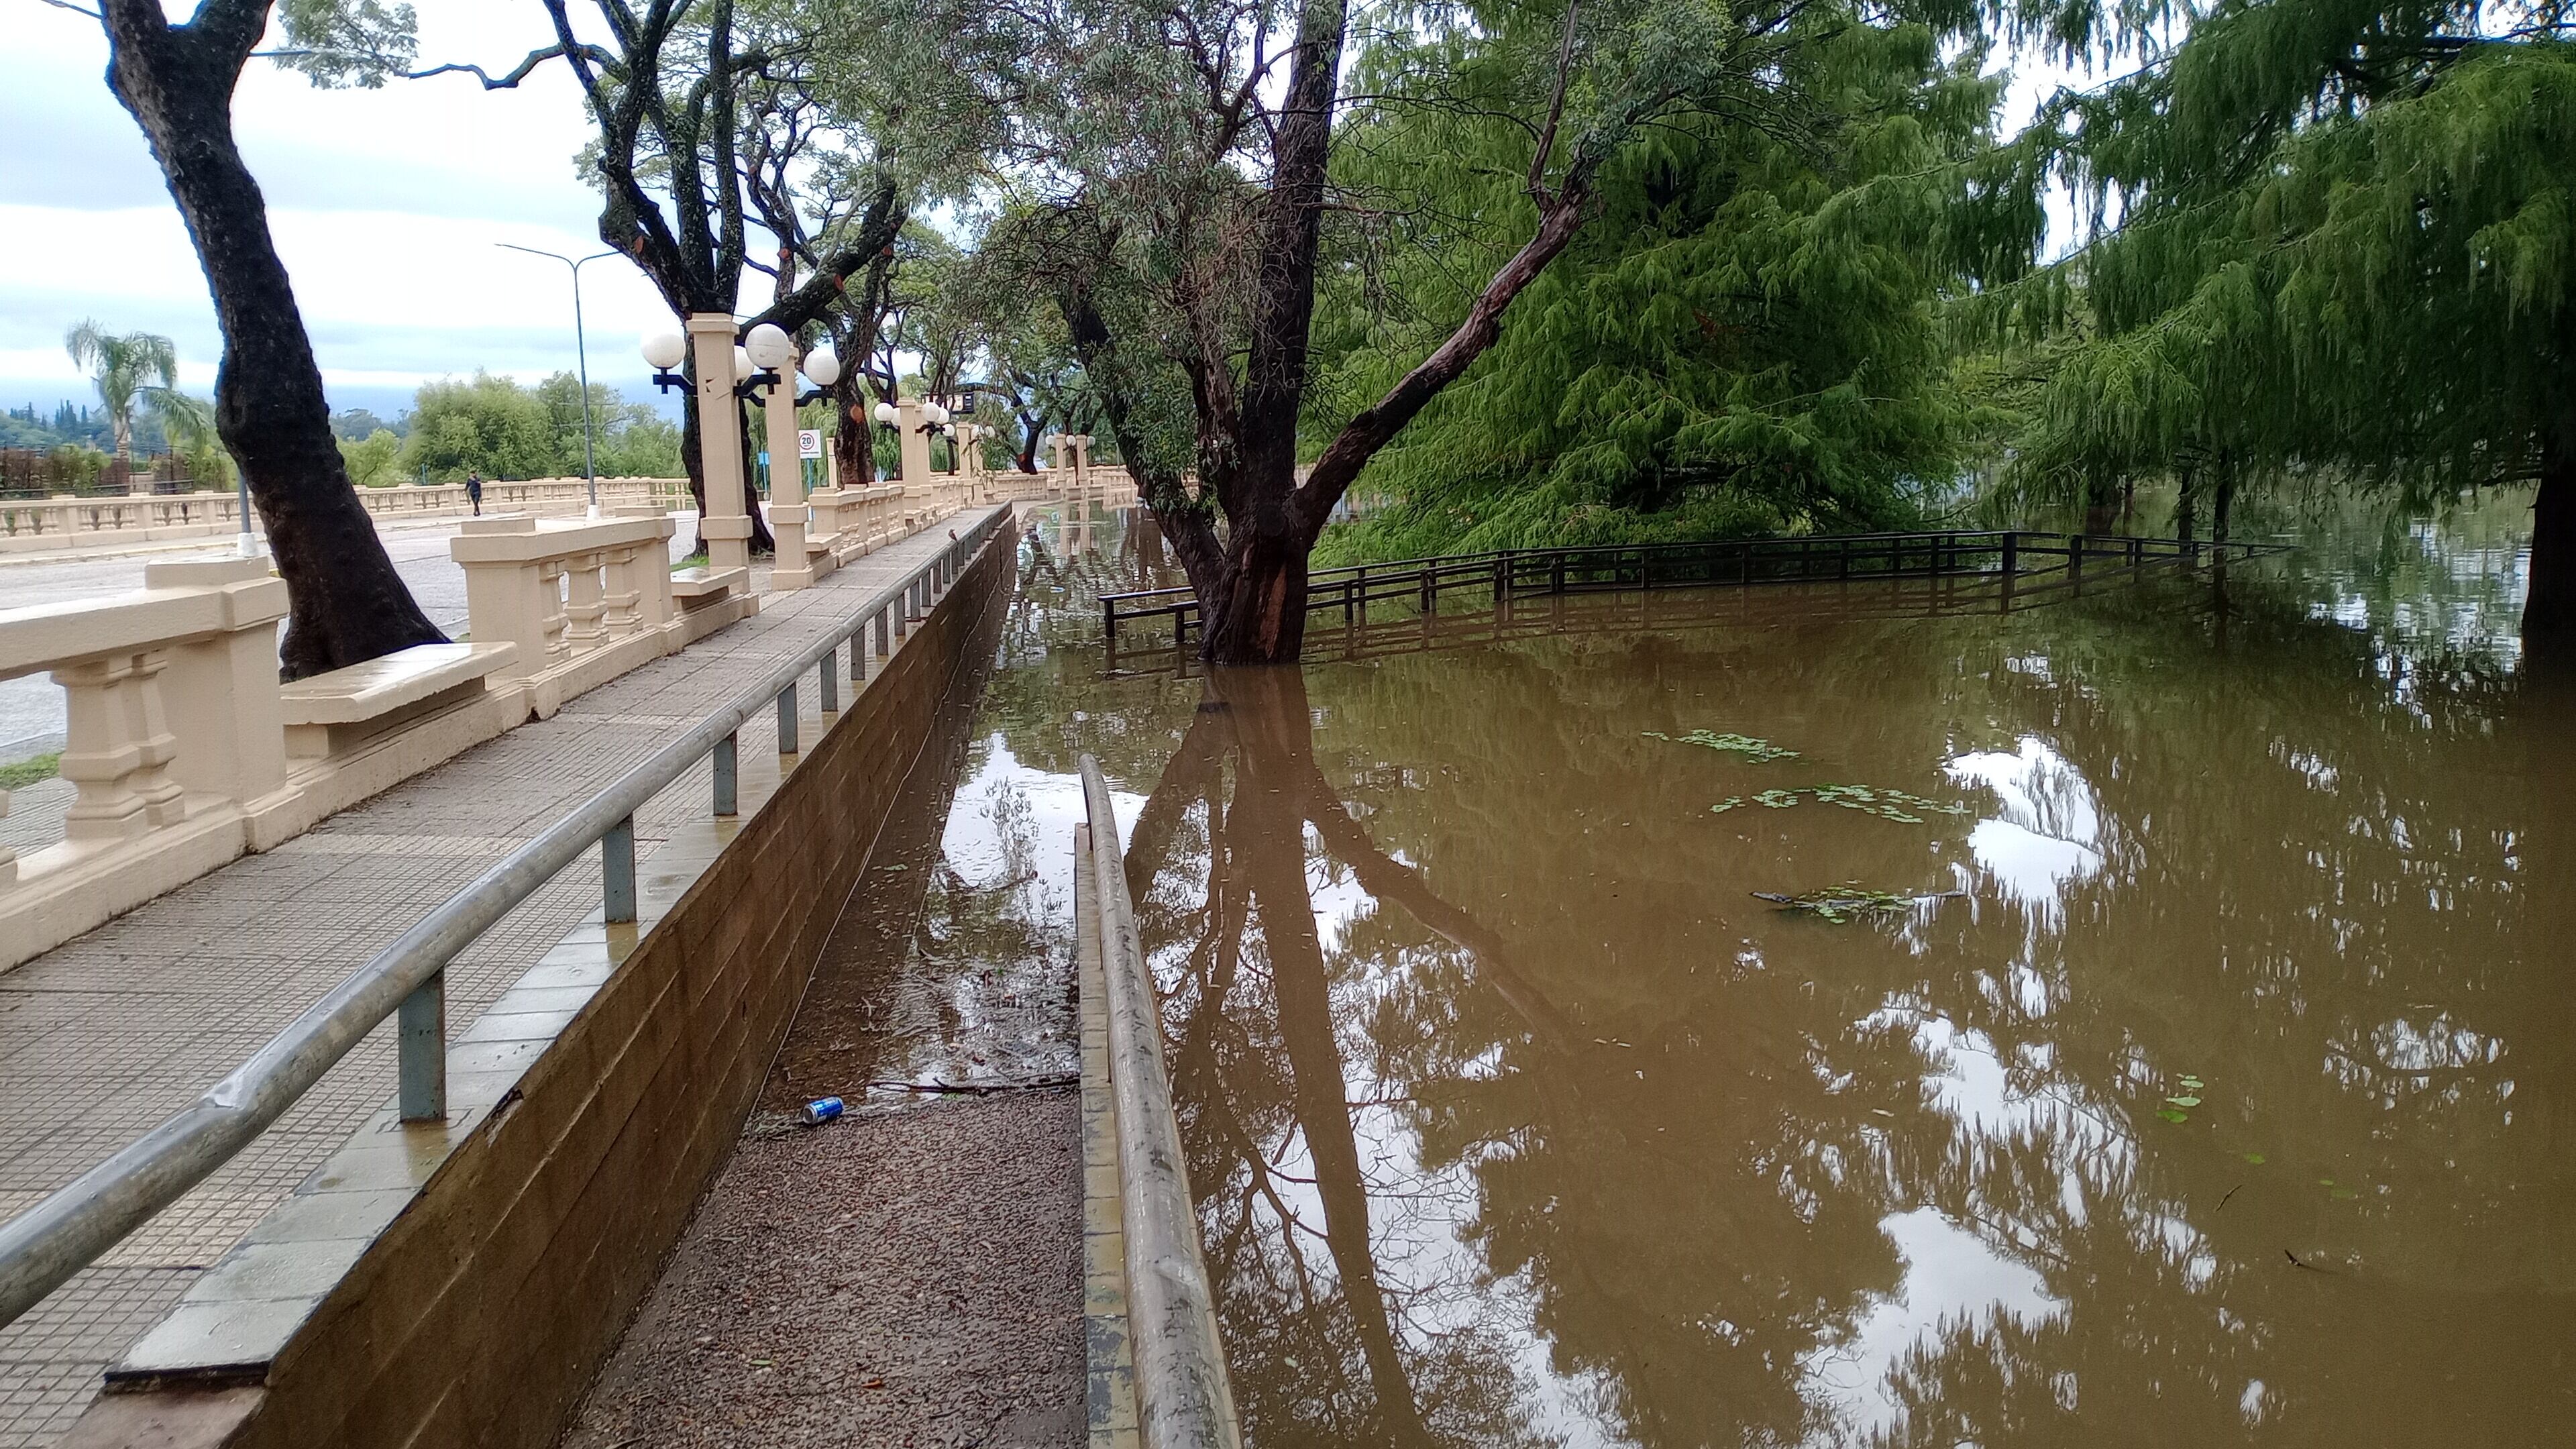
[[1839, 1016]]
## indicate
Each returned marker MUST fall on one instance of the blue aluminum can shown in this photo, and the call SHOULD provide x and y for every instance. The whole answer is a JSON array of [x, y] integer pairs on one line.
[[822, 1110]]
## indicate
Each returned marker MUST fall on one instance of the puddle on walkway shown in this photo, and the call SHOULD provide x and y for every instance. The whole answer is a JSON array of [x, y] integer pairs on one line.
[[2204, 1083]]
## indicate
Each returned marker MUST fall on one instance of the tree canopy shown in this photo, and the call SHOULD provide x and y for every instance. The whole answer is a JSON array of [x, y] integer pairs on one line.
[[2325, 240]]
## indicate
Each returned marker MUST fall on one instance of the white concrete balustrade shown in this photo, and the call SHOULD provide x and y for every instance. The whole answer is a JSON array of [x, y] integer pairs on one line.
[[64, 521], [184, 750], [584, 602], [174, 742]]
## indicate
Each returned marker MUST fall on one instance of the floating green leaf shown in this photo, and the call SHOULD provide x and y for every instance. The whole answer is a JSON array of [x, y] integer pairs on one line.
[[2171, 1114], [2343, 1194], [2191, 1084], [2253, 1157], [1758, 751], [1843, 902], [1879, 800], [2184, 1101]]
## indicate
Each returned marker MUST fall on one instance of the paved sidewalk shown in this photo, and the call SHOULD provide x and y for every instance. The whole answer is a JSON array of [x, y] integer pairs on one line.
[[106, 1035]]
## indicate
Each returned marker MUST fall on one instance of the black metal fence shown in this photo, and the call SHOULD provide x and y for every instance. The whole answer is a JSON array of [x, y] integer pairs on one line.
[[1418, 586]]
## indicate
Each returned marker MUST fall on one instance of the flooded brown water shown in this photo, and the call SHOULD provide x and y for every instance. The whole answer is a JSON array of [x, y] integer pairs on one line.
[[2184, 1051]]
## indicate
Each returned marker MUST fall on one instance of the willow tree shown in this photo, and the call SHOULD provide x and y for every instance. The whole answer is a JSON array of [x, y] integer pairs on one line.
[[345, 602], [2333, 237], [1746, 341], [1185, 157]]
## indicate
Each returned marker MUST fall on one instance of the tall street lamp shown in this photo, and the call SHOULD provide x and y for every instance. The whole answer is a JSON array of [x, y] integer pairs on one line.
[[581, 350]]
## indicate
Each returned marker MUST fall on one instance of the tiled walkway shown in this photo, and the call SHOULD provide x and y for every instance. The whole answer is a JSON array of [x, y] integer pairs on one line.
[[105, 1036]]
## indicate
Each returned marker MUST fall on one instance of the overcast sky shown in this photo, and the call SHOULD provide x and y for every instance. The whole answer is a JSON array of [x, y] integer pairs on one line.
[[387, 206]]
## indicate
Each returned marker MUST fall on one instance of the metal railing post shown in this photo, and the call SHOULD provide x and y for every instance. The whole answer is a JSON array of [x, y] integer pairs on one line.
[[727, 757], [859, 655], [617, 872], [827, 683], [420, 1050], [787, 720]]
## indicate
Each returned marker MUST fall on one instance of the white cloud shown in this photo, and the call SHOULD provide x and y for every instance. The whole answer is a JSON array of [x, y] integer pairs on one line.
[[386, 206]]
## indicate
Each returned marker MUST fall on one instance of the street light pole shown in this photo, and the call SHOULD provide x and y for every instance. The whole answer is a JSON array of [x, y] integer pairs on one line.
[[581, 351]]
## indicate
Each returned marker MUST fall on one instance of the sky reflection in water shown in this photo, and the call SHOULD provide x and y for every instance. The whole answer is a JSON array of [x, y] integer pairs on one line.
[[1514, 1118]]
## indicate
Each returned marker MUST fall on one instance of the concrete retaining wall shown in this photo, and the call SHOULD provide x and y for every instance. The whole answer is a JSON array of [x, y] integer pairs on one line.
[[479, 1315]]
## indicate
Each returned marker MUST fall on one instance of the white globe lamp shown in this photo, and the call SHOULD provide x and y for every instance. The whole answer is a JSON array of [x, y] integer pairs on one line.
[[665, 349], [769, 347], [823, 366], [885, 413]]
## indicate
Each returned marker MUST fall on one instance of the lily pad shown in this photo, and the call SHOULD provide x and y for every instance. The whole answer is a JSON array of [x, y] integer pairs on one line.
[[2172, 1114], [2184, 1101]]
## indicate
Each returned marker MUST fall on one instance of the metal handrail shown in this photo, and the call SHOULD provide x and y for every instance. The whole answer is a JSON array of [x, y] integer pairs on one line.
[[56, 1238], [1184, 1399]]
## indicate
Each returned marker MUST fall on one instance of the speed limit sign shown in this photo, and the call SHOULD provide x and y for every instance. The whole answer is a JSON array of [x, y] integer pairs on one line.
[[809, 442]]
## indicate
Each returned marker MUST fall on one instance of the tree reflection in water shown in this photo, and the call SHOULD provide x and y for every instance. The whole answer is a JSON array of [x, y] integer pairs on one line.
[[1514, 1119]]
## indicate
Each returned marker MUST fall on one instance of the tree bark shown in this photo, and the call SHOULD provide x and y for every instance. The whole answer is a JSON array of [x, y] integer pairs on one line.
[[345, 602]]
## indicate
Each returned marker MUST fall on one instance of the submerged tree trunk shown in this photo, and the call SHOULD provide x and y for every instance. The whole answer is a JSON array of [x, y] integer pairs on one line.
[[1263, 616], [2549, 606], [346, 603], [2184, 504]]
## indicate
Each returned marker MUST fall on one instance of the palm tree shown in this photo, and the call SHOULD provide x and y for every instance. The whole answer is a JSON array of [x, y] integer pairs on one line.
[[124, 368]]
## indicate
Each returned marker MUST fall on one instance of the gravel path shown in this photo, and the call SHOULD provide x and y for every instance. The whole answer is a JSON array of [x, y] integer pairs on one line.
[[907, 1278]]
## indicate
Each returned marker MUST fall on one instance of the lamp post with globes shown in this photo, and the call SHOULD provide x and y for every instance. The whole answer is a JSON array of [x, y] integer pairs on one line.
[[769, 349], [724, 528], [913, 421]]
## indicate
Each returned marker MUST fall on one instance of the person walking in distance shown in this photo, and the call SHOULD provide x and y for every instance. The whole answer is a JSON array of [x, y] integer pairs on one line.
[[474, 492]]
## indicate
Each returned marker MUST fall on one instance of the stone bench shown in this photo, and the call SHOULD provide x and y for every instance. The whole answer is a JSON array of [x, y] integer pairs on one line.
[[331, 713], [700, 586]]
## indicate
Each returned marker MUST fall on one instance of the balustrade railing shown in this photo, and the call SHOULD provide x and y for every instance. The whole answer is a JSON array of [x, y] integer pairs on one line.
[[72, 1227], [66, 517]]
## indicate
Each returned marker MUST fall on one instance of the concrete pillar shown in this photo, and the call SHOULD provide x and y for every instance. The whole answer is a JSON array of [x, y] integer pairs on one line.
[[1057, 444], [221, 689], [1081, 443], [787, 510], [970, 460], [916, 444], [725, 527]]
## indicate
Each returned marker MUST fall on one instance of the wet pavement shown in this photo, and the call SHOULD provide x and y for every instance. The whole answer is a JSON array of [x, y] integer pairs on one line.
[[910, 1274]]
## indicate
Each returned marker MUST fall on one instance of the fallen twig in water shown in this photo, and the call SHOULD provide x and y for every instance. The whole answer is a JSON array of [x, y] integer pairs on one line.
[[984, 1089], [1841, 903]]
